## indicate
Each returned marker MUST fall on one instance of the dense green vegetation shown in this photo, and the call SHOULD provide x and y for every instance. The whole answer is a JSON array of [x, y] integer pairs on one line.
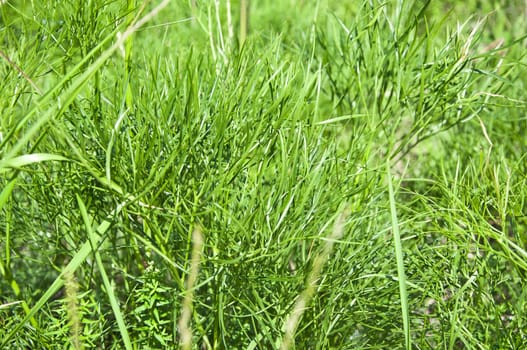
[[266, 174]]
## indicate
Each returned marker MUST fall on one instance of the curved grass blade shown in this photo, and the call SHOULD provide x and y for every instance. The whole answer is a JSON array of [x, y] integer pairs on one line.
[[27, 159]]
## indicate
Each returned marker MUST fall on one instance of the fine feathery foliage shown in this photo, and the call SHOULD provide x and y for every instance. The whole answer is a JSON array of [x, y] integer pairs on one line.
[[263, 174]]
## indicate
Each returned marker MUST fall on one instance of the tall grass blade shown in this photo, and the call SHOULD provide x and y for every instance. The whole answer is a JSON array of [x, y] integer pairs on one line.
[[399, 256], [301, 303], [94, 241], [185, 329]]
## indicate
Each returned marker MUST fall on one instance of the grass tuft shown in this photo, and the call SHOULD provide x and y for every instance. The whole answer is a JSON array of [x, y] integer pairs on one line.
[[124, 124]]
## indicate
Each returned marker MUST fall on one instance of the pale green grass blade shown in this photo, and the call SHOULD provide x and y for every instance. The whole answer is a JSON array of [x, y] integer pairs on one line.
[[312, 280], [27, 159], [399, 255], [187, 307]]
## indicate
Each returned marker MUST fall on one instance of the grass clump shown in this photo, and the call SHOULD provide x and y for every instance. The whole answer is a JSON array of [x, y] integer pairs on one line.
[[341, 176]]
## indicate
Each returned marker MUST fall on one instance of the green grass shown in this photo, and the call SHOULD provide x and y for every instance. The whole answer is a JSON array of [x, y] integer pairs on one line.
[[263, 175]]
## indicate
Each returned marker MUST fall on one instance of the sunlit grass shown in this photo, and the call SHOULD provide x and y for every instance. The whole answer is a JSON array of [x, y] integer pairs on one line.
[[246, 175]]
